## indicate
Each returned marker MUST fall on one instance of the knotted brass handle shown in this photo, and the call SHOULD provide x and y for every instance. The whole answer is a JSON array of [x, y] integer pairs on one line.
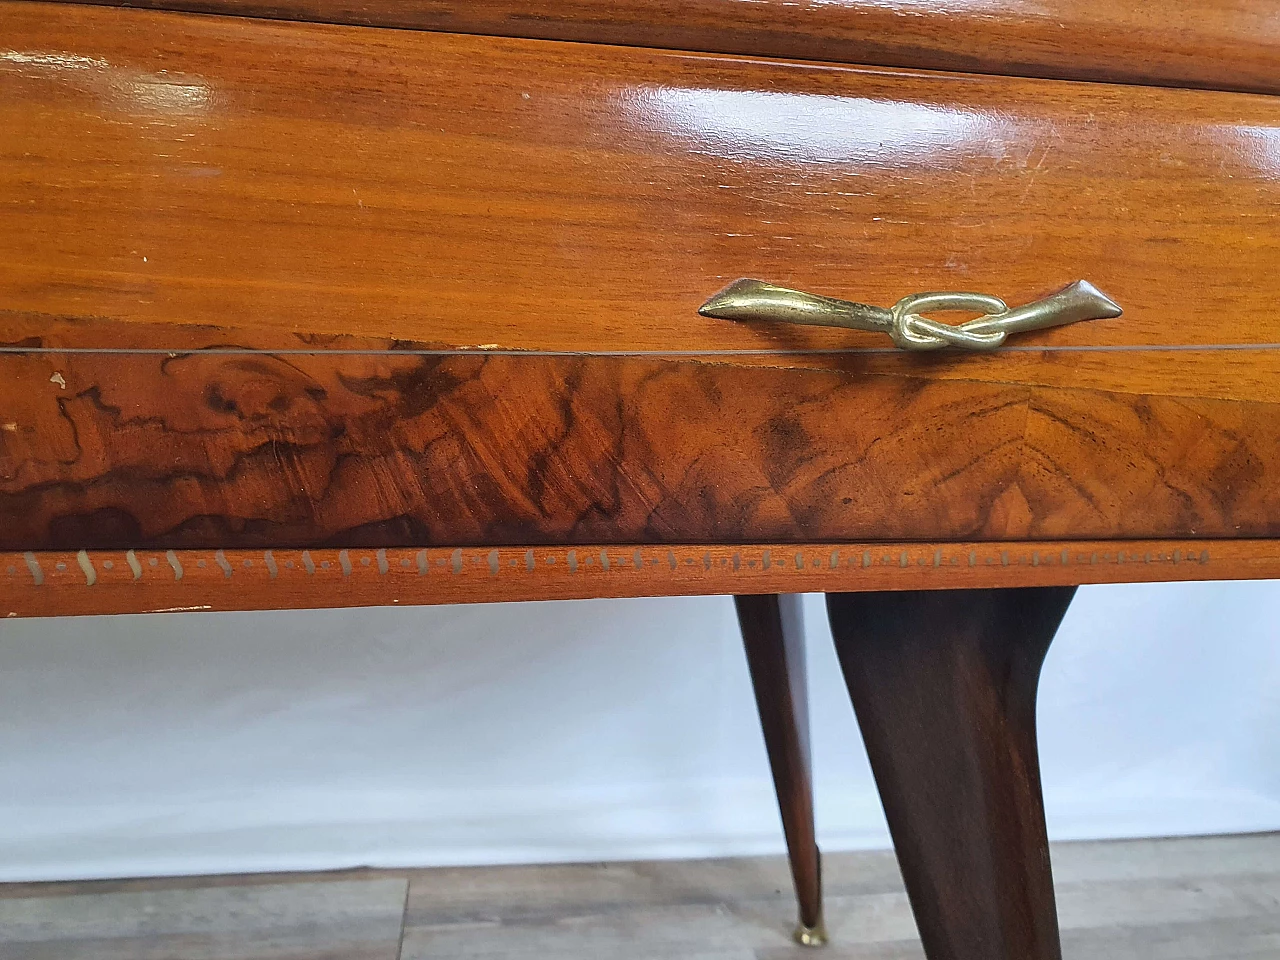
[[757, 300]]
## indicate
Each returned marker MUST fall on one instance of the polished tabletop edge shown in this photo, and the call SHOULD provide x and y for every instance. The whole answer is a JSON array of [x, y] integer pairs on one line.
[[1181, 43], [59, 583]]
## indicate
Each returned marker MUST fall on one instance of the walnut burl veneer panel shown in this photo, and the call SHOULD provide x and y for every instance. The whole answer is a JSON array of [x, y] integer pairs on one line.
[[469, 191], [246, 449], [1220, 44]]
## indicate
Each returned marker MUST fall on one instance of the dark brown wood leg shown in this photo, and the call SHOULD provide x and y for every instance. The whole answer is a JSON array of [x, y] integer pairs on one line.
[[773, 635], [944, 686]]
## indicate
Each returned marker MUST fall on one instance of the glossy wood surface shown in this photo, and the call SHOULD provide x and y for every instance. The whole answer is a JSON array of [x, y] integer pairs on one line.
[[1220, 44], [243, 262], [54, 583], [203, 449], [773, 637], [298, 178], [944, 684]]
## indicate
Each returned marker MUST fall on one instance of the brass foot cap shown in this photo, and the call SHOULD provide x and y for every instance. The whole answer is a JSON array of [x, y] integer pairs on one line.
[[811, 936]]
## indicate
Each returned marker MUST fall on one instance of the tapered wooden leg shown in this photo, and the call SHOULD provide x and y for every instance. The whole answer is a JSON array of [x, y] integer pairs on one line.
[[944, 685], [773, 634]]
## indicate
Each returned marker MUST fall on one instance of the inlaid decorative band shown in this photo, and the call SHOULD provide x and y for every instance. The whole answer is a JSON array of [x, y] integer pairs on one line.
[[54, 583]]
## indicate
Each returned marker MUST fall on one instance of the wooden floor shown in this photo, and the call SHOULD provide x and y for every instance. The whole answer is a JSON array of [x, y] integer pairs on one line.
[[1186, 899]]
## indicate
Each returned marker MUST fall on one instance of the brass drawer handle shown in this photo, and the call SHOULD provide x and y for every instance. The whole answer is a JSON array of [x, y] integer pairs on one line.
[[757, 300]]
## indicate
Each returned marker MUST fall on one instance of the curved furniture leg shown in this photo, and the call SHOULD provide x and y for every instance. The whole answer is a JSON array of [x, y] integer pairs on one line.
[[773, 635], [944, 686]]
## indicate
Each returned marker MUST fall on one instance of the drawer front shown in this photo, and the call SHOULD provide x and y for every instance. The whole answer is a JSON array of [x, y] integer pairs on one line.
[[293, 284], [465, 191], [268, 449]]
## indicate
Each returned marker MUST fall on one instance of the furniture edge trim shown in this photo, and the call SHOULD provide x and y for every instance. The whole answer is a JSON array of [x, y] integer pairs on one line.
[[1025, 51], [57, 583]]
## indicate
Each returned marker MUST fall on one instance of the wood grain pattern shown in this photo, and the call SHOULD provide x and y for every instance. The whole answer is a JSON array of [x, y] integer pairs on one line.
[[773, 635], [144, 581], [1222, 44], [300, 178], [1205, 898], [351, 920], [273, 285], [260, 450], [944, 684], [1199, 898]]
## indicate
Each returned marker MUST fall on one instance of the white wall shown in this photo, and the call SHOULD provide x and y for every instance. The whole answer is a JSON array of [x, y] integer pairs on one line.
[[566, 731]]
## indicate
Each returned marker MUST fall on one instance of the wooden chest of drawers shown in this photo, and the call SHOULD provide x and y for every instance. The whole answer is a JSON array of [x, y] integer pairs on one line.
[[306, 313], [435, 290]]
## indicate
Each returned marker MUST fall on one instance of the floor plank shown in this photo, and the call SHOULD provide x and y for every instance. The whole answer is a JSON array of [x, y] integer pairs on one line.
[[358, 920], [1203, 898], [1214, 898]]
